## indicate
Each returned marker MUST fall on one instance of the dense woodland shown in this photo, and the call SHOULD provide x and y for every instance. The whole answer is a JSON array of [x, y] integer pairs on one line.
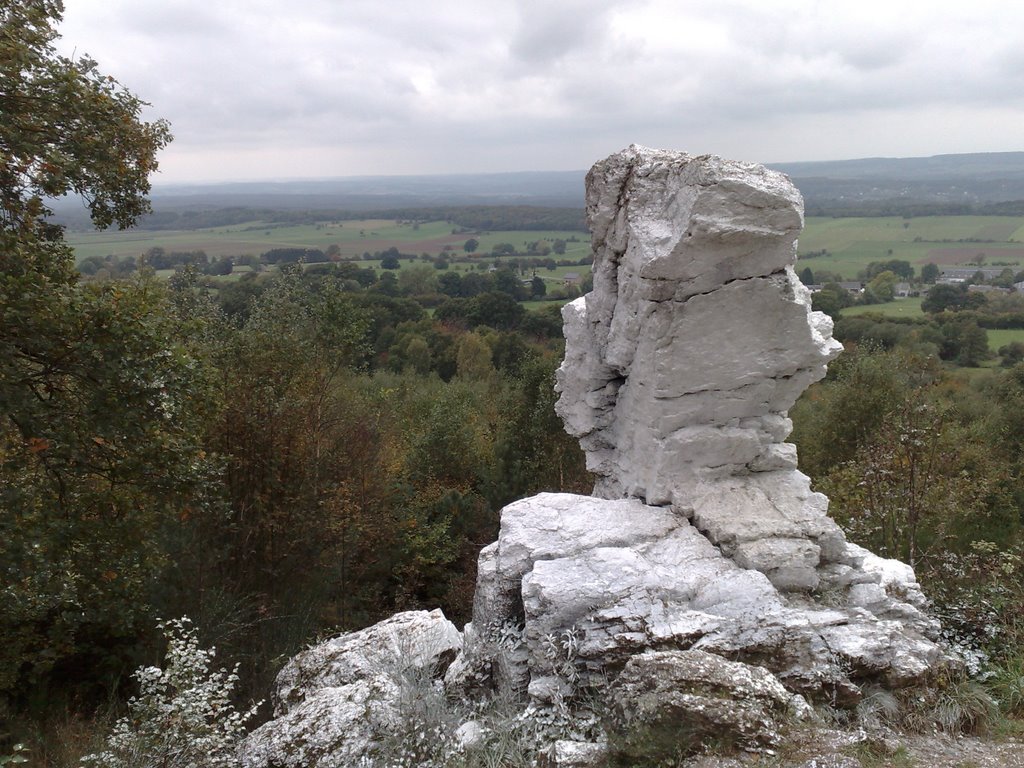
[[307, 452]]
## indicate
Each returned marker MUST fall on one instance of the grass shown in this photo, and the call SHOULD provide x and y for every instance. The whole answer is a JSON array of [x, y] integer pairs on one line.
[[853, 243], [353, 238], [998, 337], [895, 308]]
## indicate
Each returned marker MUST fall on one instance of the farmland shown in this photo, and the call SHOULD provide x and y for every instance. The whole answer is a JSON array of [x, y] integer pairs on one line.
[[353, 238], [843, 246], [851, 244], [840, 246]]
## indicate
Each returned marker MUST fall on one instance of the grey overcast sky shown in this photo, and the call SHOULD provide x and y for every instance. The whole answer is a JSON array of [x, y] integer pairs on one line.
[[274, 89]]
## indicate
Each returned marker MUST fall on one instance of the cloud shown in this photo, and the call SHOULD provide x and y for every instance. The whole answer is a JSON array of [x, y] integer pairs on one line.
[[317, 87]]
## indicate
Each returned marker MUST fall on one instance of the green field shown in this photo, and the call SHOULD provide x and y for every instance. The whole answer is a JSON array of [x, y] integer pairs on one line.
[[353, 238], [895, 308], [998, 337], [852, 243], [945, 240]]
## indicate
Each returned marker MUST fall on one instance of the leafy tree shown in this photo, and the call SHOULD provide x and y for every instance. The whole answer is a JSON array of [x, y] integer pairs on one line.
[[417, 280], [471, 245], [864, 385], [901, 269], [807, 276], [538, 288], [973, 345], [66, 128], [473, 358], [285, 421], [450, 284], [506, 281], [831, 299], [532, 450], [100, 397], [496, 310], [929, 273], [418, 355], [944, 297], [1011, 354], [912, 484], [883, 285]]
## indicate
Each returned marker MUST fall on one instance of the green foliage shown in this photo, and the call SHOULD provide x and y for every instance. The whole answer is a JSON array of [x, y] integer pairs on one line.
[[183, 716], [96, 389], [1011, 354], [882, 285], [832, 420], [899, 268], [93, 404], [66, 128], [944, 297]]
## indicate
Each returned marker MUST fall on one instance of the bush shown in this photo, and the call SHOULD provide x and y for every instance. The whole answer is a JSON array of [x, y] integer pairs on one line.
[[183, 716]]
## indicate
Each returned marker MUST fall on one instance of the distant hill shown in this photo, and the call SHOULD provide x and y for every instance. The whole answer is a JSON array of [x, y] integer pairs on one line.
[[552, 189], [947, 183], [965, 183]]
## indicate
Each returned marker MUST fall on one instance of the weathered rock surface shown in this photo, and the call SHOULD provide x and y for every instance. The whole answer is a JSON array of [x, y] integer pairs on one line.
[[702, 542], [419, 640], [334, 726], [335, 700], [620, 577], [699, 696], [697, 337], [680, 366]]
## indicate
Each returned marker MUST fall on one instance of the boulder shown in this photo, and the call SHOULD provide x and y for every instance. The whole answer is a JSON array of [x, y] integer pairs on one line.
[[566, 753], [330, 727], [336, 701], [421, 640], [691, 697], [613, 578]]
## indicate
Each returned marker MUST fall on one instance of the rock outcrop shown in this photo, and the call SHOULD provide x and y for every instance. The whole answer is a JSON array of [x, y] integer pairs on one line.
[[694, 696], [703, 569], [701, 533], [335, 702]]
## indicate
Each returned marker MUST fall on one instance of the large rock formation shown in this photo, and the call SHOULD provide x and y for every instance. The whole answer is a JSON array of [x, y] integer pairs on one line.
[[679, 369], [703, 563], [697, 338]]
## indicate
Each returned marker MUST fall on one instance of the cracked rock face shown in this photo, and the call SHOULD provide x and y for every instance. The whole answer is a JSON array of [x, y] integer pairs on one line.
[[679, 369], [698, 337]]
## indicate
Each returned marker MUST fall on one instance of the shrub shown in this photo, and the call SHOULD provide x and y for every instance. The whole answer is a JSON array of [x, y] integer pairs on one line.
[[183, 716]]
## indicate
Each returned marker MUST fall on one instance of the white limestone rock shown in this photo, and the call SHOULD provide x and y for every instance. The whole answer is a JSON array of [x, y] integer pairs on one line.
[[617, 578], [575, 754], [698, 336], [422, 640], [679, 368], [335, 700], [330, 727]]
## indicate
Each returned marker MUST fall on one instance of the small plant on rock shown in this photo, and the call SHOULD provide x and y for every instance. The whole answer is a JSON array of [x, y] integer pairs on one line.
[[183, 716]]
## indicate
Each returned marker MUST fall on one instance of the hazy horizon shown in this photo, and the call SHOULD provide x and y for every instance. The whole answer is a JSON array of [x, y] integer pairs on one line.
[[316, 88]]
